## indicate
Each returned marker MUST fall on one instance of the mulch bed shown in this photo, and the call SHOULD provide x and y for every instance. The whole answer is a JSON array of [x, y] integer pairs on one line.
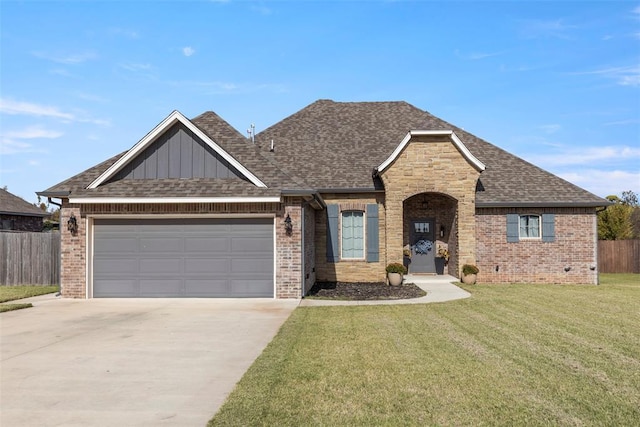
[[362, 291]]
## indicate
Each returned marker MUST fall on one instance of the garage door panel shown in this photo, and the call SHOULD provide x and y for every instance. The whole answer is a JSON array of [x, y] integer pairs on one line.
[[108, 244], [160, 265], [254, 266], [183, 257], [162, 244], [211, 265], [207, 288], [118, 266], [161, 287], [117, 288], [250, 243], [251, 288], [204, 244]]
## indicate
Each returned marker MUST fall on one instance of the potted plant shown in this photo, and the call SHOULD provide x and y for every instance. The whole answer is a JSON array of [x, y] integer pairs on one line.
[[395, 271], [442, 259], [469, 274]]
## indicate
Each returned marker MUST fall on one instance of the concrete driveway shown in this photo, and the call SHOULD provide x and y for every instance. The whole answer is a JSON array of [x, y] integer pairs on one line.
[[129, 362]]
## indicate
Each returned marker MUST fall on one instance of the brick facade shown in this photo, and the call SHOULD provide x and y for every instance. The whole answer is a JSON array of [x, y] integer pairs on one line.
[[432, 165], [73, 274], [535, 261], [73, 252]]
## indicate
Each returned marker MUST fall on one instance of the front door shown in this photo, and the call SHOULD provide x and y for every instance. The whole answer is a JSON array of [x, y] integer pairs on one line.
[[423, 246]]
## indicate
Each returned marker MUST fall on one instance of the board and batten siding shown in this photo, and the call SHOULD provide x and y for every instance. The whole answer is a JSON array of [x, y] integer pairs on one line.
[[178, 153]]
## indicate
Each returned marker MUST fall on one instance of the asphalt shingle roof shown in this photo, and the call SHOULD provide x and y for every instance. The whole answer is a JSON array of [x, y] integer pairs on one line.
[[14, 205], [336, 145]]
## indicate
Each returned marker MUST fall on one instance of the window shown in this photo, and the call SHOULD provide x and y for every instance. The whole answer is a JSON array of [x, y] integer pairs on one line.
[[352, 235], [530, 226]]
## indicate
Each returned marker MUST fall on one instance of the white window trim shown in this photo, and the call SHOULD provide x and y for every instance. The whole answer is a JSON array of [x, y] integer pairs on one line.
[[521, 237], [364, 235]]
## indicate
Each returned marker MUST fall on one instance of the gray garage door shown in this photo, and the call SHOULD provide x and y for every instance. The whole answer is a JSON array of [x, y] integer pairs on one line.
[[183, 258]]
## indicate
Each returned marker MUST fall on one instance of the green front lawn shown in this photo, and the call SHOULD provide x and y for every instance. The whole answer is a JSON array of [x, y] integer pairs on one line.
[[12, 293], [509, 355]]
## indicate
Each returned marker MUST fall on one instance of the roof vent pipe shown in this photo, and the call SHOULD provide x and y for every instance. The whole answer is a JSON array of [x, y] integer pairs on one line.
[[273, 147], [251, 133]]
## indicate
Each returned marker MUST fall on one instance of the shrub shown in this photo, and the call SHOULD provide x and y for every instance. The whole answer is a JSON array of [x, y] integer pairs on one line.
[[469, 269], [396, 267]]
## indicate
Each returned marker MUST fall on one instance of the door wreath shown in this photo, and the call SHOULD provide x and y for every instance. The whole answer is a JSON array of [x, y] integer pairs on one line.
[[423, 246]]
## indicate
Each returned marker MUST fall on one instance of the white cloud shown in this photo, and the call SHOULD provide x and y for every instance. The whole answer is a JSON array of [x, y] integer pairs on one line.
[[12, 142], [9, 106], [586, 155], [625, 76], [131, 66], [604, 182], [475, 56], [552, 128], [11, 146], [538, 28], [217, 87], [33, 132], [124, 32], [188, 51], [69, 59], [261, 9]]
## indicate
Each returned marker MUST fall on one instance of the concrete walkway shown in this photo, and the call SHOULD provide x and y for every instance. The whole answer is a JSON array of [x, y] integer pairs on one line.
[[438, 289]]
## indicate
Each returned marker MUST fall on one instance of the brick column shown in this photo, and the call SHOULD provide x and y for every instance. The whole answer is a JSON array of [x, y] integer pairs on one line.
[[73, 268]]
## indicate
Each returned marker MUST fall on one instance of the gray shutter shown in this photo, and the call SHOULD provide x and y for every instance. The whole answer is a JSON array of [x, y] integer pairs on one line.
[[332, 233], [513, 228], [373, 243], [548, 228]]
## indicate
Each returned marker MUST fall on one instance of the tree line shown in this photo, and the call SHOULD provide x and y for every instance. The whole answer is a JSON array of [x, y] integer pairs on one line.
[[621, 220]]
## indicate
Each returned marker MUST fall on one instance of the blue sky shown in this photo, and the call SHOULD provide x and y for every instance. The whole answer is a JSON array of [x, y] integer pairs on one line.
[[556, 83]]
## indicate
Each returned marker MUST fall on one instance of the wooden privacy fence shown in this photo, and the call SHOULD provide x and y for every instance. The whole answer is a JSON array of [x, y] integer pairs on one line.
[[619, 256], [29, 258]]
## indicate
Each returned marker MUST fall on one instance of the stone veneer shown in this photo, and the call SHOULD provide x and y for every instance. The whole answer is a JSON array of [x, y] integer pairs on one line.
[[535, 261], [431, 165], [350, 270], [443, 210], [73, 274]]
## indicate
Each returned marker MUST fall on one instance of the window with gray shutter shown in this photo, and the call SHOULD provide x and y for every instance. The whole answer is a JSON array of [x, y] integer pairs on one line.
[[332, 233], [373, 241]]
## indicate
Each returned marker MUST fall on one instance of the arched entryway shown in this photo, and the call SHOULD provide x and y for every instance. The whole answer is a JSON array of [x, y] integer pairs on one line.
[[429, 233]]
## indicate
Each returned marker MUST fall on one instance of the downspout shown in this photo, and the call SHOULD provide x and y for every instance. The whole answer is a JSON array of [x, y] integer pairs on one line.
[[303, 273], [595, 226], [303, 269]]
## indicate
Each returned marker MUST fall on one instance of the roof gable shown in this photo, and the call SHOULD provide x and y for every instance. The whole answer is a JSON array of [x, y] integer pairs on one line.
[[473, 160], [178, 153], [159, 131]]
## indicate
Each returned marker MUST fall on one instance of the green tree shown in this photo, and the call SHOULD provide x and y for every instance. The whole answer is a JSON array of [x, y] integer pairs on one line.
[[616, 222]]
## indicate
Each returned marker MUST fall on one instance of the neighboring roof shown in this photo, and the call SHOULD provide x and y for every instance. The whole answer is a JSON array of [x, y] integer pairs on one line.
[[334, 147], [10, 204], [337, 144]]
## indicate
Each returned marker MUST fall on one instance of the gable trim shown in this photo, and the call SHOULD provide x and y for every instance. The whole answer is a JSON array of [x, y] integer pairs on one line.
[[163, 126], [477, 164], [123, 200]]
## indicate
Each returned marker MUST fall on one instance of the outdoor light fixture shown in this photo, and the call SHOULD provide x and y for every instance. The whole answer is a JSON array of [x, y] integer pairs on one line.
[[442, 231], [288, 225], [72, 224]]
